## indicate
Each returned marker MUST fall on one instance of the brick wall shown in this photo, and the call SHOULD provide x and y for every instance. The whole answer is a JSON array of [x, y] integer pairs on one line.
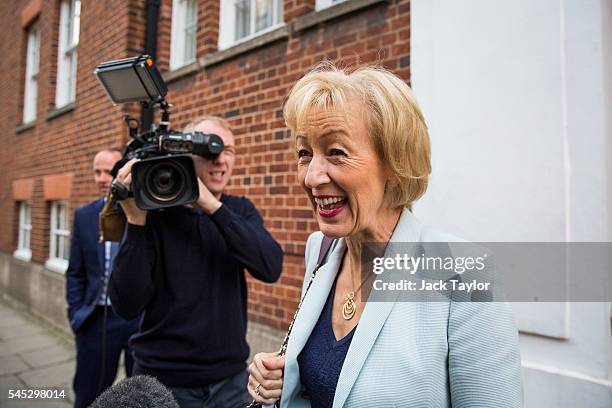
[[247, 88]]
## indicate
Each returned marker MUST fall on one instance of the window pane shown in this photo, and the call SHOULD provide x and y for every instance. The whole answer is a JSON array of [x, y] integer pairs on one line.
[[279, 11], [191, 13], [63, 217], [35, 53], [243, 19], [28, 215], [191, 18], [64, 248], [76, 23], [53, 218], [24, 225], [60, 246], [190, 45], [263, 14], [31, 88]]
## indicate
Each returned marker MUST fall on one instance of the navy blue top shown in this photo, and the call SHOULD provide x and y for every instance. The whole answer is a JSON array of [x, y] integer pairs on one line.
[[185, 270], [322, 358]]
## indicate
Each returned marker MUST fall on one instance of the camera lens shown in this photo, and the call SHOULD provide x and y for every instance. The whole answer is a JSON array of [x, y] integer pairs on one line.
[[165, 181]]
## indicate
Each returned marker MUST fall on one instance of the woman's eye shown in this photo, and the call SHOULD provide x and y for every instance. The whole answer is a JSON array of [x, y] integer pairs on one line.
[[302, 153], [337, 152]]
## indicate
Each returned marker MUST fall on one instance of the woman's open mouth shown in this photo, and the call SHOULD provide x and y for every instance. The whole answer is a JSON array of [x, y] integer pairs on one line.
[[330, 206]]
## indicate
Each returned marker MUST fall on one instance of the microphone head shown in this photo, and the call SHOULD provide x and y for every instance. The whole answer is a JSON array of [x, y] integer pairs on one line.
[[140, 391]]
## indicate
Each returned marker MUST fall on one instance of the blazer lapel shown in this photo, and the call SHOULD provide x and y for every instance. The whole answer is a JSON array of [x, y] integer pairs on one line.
[[309, 315], [372, 320]]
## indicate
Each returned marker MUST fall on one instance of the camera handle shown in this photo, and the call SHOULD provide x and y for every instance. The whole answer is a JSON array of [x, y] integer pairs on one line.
[[133, 124], [164, 123]]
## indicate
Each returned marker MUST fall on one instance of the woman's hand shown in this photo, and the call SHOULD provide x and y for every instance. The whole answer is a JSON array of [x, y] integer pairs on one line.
[[266, 377]]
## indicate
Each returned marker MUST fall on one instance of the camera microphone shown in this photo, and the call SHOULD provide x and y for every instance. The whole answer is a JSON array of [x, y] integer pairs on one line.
[[141, 391]]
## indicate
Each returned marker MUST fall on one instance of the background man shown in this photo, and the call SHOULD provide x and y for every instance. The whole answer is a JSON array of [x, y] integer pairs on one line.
[[185, 268], [86, 280]]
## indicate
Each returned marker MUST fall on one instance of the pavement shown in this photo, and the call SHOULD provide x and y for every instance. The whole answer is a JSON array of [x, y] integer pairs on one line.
[[36, 356], [33, 356]]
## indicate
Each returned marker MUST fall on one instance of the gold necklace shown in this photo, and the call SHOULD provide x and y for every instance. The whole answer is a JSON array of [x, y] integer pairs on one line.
[[349, 307]]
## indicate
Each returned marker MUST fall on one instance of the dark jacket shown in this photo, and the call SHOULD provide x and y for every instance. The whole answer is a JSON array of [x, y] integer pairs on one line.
[[185, 270], [84, 276]]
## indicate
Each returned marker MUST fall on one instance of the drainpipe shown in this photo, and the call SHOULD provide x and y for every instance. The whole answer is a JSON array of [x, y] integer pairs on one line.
[[152, 13]]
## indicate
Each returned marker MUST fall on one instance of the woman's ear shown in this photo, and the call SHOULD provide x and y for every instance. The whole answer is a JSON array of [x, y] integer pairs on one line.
[[390, 188]]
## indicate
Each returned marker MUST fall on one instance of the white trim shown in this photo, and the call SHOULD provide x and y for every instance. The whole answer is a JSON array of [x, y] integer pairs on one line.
[[70, 15], [57, 265], [184, 19], [227, 22], [24, 235], [59, 237], [23, 254], [323, 4], [30, 92]]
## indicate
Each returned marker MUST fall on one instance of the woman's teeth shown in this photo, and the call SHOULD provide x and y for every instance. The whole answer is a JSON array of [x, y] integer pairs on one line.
[[330, 203]]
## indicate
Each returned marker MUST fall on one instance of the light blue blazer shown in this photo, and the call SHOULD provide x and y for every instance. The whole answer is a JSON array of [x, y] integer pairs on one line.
[[412, 354]]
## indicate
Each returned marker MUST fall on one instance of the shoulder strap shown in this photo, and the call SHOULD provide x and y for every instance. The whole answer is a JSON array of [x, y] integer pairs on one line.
[[326, 244]]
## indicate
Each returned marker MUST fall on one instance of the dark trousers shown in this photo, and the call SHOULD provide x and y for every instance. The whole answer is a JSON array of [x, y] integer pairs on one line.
[[91, 360], [228, 393]]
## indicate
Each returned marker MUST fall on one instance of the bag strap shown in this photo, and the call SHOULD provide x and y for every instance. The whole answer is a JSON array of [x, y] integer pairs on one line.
[[326, 245]]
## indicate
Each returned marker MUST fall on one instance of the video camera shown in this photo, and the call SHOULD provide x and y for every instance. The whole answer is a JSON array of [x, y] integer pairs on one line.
[[165, 175]]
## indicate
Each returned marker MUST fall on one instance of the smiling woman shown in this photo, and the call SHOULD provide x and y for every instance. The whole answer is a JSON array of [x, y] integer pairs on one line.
[[363, 159]]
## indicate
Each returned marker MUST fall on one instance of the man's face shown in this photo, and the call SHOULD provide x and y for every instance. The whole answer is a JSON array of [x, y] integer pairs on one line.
[[215, 174], [102, 165]]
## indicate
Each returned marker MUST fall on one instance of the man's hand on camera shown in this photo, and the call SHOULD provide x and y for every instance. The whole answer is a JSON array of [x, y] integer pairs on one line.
[[207, 201], [134, 215]]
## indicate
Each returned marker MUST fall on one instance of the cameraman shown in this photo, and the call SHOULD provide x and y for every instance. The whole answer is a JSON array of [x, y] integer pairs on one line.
[[184, 267]]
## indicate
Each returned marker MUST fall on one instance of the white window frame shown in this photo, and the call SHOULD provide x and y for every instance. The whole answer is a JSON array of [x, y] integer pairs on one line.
[[228, 24], [70, 17], [30, 93], [323, 4], [183, 44], [23, 251], [59, 237]]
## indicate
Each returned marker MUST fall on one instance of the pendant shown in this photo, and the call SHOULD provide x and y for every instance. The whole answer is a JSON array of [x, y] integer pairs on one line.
[[349, 307]]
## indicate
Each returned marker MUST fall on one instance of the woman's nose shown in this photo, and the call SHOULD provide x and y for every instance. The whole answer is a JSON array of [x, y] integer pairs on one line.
[[316, 174]]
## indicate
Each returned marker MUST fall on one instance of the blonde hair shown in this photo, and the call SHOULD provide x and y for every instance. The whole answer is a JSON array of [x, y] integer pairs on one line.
[[394, 120], [207, 118]]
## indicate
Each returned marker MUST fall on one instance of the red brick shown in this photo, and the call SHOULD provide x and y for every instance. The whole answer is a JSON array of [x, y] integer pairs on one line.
[[249, 90]]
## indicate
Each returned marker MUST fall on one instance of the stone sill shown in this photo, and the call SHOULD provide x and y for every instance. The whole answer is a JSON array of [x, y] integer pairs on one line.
[[332, 12], [281, 33], [23, 254], [226, 54], [57, 265], [25, 126], [245, 46], [175, 74], [60, 111]]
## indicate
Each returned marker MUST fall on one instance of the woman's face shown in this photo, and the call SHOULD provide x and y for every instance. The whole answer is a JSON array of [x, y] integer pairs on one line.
[[341, 172]]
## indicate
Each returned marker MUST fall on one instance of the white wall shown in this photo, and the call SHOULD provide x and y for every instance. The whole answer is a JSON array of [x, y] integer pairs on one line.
[[517, 96]]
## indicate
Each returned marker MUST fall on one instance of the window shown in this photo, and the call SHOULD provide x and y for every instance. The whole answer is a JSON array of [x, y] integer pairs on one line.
[[321, 4], [184, 27], [244, 19], [31, 74], [59, 245], [25, 228], [70, 16]]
